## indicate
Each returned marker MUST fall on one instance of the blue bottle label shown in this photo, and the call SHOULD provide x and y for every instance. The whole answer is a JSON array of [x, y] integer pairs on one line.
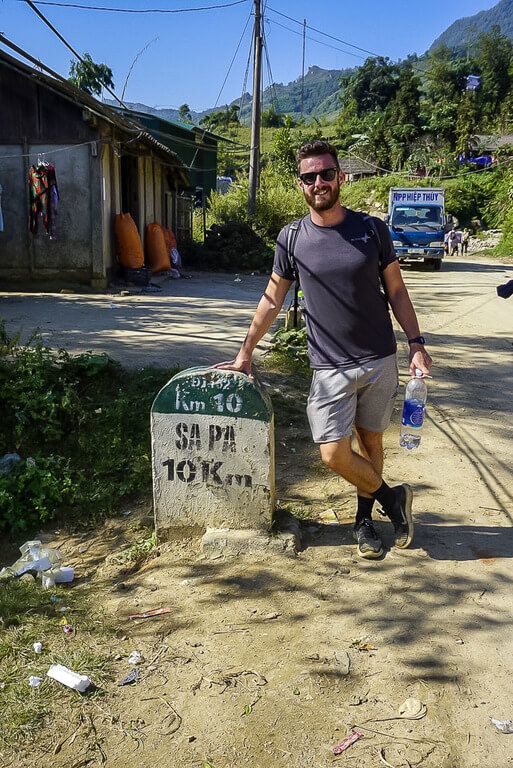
[[413, 414]]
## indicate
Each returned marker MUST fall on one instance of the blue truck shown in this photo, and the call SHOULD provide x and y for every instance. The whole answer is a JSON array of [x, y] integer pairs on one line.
[[417, 222]]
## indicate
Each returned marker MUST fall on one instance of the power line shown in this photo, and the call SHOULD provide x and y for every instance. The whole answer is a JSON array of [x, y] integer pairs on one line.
[[314, 40], [272, 84], [70, 47], [245, 82], [225, 79], [325, 34], [135, 10]]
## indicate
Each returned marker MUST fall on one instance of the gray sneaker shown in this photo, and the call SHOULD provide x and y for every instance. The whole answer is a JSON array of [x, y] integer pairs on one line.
[[400, 515], [369, 544]]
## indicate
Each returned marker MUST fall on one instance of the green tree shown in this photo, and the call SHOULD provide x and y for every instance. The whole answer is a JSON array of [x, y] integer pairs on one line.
[[402, 115], [271, 118], [349, 125], [494, 59], [372, 86], [90, 77], [445, 81], [467, 122], [184, 112]]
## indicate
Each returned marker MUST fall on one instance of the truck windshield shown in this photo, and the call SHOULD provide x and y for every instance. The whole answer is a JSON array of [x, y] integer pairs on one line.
[[428, 215]]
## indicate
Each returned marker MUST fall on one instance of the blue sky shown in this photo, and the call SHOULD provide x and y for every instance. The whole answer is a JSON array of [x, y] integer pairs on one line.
[[190, 59]]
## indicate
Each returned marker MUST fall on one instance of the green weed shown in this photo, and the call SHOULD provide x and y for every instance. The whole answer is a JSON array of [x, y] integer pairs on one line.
[[80, 424]]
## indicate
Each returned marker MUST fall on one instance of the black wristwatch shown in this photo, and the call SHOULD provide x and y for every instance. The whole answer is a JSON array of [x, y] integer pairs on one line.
[[417, 340]]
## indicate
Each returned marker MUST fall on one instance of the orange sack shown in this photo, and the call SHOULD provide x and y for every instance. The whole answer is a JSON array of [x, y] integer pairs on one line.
[[129, 246], [169, 237], [156, 250]]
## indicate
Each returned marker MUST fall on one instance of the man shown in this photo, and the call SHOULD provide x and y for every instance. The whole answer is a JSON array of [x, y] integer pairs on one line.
[[465, 237], [343, 258], [453, 242]]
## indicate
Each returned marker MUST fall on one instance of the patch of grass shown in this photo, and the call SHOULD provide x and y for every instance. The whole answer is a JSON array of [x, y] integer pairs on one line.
[[29, 615], [137, 552], [81, 426]]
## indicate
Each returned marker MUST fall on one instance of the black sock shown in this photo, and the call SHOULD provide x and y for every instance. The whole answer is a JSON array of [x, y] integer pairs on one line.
[[364, 510], [385, 495]]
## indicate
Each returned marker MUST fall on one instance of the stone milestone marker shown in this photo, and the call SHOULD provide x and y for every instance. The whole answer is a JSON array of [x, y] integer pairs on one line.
[[212, 452]]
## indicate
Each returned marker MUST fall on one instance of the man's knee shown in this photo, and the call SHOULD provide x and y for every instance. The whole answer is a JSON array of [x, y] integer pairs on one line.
[[335, 455]]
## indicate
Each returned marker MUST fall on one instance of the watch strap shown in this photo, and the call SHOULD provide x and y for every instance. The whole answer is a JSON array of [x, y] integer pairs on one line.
[[417, 340]]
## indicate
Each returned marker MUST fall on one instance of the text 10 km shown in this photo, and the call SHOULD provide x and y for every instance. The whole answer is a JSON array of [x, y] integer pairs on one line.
[[231, 403], [205, 471]]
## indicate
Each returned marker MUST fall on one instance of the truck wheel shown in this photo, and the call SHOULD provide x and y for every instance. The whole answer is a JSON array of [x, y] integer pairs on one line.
[[437, 265], [430, 263]]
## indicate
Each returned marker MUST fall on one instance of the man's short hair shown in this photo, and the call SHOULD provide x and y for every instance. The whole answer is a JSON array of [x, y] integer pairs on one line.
[[314, 148]]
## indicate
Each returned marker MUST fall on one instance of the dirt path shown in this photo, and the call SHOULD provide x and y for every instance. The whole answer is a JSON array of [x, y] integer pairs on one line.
[[251, 666]]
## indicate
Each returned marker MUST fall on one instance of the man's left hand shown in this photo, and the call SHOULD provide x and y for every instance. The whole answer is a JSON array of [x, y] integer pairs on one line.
[[420, 359]]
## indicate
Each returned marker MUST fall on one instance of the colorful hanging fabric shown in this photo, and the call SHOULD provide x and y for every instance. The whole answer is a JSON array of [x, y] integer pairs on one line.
[[44, 197]]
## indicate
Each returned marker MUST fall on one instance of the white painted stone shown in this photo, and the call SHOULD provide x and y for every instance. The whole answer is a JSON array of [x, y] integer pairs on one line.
[[212, 452]]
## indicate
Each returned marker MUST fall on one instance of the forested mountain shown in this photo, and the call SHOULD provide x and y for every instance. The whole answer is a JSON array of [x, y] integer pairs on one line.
[[465, 31], [321, 96]]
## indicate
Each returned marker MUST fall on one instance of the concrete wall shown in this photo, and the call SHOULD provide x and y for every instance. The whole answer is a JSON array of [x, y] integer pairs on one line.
[[77, 251]]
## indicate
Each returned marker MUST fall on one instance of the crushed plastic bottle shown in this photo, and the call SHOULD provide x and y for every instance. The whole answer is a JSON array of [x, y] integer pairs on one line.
[[414, 407]]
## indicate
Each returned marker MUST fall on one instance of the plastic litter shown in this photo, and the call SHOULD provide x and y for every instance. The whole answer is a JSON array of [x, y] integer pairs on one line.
[[68, 629], [47, 581], [34, 681], [36, 558], [506, 726], [134, 658], [412, 709], [328, 517], [69, 678], [149, 614], [131, 677], [347, 742], [38, 647]]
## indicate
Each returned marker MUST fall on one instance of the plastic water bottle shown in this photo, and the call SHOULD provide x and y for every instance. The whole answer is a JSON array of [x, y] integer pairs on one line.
[[414, 408]]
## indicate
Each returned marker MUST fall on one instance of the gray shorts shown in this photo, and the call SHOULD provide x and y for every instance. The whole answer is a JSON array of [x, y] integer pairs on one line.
[[341, 398]]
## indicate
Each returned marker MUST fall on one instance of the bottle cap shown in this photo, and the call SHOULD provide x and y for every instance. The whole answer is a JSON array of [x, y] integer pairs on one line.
[[418, 373]]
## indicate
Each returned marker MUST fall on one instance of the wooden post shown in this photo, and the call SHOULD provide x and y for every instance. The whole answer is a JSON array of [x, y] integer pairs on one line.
[[254, 160]]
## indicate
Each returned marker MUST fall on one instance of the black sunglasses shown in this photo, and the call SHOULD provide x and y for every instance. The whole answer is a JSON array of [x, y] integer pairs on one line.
[[327, 174]]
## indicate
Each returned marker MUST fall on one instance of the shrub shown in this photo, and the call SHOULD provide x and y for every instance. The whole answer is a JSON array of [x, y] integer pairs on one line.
[[80, 424]]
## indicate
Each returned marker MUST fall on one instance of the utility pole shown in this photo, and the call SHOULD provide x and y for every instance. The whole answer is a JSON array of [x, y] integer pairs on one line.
[[303, 70], [254, 159]]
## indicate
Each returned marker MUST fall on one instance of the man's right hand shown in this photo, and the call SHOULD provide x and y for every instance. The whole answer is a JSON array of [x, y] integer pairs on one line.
[[242, 365]]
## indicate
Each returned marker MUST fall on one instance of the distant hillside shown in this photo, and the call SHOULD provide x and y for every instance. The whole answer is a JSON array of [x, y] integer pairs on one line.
[[321, 96], [467, 29]]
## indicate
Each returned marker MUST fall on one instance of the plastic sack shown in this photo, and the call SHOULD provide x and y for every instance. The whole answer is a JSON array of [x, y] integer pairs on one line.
[[170, 239], [156, 251], [129, 246]]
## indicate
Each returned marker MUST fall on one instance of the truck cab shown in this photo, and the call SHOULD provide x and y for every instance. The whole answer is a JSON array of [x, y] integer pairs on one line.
[[417, 224]]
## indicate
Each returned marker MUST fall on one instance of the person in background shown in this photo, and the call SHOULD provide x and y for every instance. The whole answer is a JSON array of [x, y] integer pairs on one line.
[[453, 242], [465, 237], [344, 260]]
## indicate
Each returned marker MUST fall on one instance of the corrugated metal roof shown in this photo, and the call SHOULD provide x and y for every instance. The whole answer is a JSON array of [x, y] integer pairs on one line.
[[355, 166]]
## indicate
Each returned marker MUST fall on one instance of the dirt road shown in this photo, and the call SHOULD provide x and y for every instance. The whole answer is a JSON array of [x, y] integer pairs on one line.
[[268, 662]]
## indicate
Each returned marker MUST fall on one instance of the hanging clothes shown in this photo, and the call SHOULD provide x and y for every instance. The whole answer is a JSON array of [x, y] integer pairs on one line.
[[1, 216], [44, 197]]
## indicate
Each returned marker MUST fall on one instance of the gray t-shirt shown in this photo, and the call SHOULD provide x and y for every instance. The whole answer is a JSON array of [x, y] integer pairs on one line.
[[346, 313]]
